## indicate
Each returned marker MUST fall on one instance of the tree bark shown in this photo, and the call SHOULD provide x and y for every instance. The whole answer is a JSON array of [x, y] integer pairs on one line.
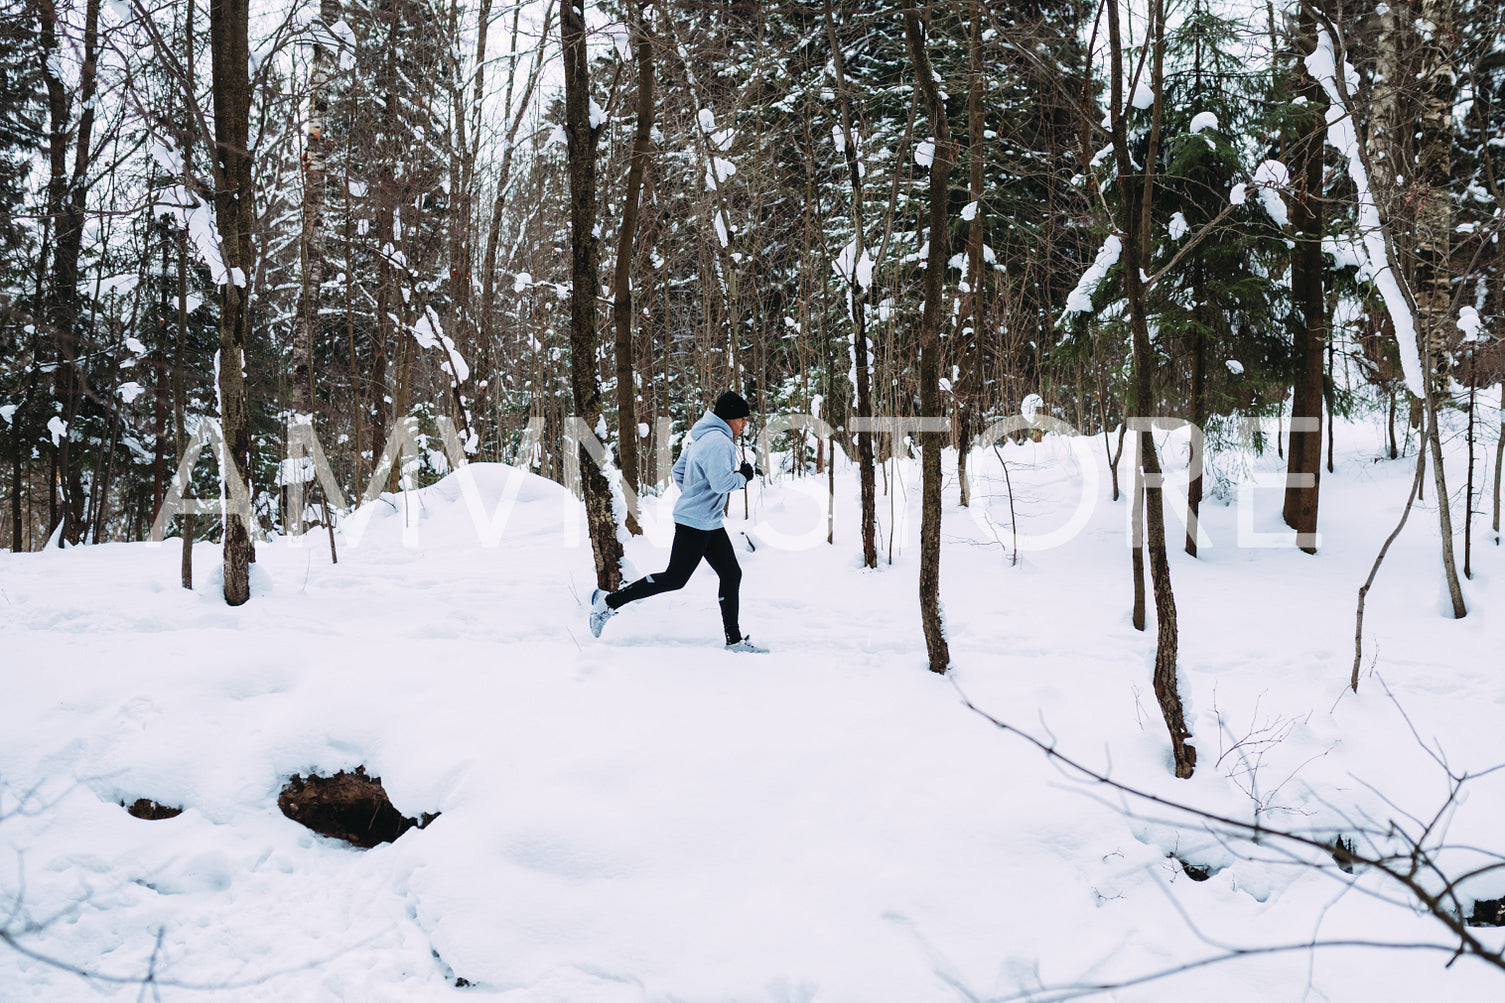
[[233, 209], [312, 245], [67, 192], [1434, 270], [1199, 422], [493, 232], [642, 146], [580, 153], [185, 565], [1139, 617], [930, 347], [1468, 493], [857, 294], [190, 524], [1304, 458], [1444, 506], [159, 351], [312, 242], [15, 490], [1499, 458], [1135, 224], [969, 382]]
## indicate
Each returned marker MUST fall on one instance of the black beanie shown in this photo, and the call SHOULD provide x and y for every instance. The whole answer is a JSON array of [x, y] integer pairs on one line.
[[730, 406]]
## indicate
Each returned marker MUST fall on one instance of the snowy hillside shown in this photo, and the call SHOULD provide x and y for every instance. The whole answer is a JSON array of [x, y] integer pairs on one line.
[[645, 817]]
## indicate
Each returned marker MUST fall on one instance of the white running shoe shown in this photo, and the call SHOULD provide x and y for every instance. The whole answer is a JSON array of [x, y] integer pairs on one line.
[[600, 612], [747, 645]]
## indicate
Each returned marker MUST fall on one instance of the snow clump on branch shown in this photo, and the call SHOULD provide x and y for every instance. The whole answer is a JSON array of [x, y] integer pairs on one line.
[[1080, 300]]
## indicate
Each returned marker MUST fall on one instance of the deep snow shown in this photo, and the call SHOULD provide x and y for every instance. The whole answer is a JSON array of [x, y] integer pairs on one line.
[[645, 817]]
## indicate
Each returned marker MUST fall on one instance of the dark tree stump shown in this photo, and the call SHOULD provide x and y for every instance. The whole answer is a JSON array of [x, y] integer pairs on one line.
[[1488, 912], [150, 810], [348, 806]]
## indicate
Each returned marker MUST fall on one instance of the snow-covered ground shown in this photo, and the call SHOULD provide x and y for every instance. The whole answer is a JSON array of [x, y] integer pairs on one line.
[[646, 817]]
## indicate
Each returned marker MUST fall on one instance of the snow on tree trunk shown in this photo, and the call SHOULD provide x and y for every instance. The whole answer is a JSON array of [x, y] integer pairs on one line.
[[1321, 63]]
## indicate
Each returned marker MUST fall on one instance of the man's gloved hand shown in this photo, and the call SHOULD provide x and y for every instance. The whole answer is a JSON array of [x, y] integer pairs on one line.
[[747, 471]]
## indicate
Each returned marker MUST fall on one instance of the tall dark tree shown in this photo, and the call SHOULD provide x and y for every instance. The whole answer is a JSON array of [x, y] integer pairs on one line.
[[943, 157], [621, 282], [585, 380], [67, 195], [1304, 456], [857, 295], [1134, 224], [234, 214]]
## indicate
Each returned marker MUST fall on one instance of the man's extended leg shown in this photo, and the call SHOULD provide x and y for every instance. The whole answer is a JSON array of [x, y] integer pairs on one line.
[[722, 557], [685, 553]]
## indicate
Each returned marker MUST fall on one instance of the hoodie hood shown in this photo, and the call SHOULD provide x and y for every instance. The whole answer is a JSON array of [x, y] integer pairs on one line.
[[709, 422]]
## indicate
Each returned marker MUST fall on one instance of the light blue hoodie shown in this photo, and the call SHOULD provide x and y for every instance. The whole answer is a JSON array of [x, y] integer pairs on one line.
[[706, 473]]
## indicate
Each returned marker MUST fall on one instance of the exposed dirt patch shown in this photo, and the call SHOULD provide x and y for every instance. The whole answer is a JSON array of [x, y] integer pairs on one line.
[[350, 806], [150, 810]]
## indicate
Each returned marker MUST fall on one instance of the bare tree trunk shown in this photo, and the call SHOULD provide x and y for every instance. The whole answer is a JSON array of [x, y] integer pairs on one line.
[[1468, 494], [1118, 453], [642, 145], [159, 418], [584, 272], [15, 491], [969, 381], [1499, 458], [385, 406], [1304, 458], [17, 523], [1136, 553], [67, 192], [857, 294], [1136, 242], [1444, 507], [312, 242], [465, 112], [189, 521], [509, 145], [1199, 421], [1330, 395], [233, 205], [930, 348], [1434, 271], [1390, 426]]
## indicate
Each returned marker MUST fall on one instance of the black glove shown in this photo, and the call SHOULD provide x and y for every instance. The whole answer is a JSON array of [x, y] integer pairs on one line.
[[747, 471]]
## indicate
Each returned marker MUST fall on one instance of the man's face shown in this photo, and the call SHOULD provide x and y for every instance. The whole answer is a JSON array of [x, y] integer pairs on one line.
[[737, 425]]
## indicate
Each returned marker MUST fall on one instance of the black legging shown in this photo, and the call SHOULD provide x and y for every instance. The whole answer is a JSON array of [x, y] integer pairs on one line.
[[690, 545]]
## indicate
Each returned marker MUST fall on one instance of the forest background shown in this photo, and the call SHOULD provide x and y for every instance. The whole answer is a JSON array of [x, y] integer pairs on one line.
[[541, 226]]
